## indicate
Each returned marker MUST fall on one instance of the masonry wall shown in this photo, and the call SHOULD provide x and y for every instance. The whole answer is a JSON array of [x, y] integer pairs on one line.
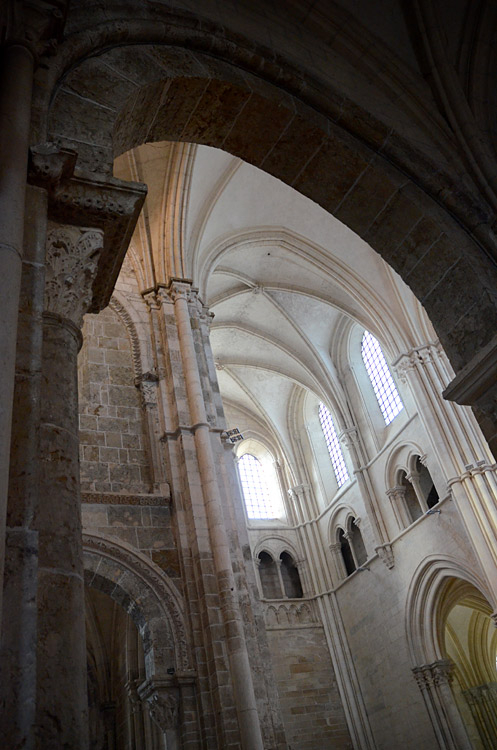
[[113, 440], [311, 708]]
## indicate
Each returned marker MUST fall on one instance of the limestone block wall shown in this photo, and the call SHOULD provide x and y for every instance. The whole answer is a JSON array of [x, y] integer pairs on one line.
[[149, 528], [373, 607], [113, 440], [311, 708]]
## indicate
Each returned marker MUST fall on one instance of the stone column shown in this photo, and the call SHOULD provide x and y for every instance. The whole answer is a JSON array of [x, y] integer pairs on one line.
[[61, 711], [30, 26], [482, 701], [434, 681], [397, 497], [18, 652], [250, 731], [336, 556], [351, 440]]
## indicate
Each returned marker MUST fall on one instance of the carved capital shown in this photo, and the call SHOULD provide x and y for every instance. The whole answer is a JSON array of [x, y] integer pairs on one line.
[[147, 383], [180, 289], [397, 494], [349, 438], [402, 366], [298, 491], [71, 266], [37, 24], [429, 676]]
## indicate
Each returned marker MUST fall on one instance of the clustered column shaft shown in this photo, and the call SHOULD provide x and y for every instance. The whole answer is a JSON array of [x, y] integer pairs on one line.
[[237, 650]]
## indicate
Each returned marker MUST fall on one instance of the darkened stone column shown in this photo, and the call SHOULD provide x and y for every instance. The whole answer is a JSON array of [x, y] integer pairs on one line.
[[61, 711], [30, 29], [18, 651]]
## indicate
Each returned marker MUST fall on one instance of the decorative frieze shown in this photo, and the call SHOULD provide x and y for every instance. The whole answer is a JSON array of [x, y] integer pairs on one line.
[[110, 498], [290, 614]]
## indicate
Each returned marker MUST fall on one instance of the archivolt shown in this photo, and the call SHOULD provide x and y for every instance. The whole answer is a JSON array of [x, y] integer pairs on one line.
[[146, 593], [425, 605]]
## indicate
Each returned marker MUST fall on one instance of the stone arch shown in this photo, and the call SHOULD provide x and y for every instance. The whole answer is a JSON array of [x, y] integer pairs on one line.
[[128, 323], [146, 594], [285, 127], [425, 601], [401, 458]]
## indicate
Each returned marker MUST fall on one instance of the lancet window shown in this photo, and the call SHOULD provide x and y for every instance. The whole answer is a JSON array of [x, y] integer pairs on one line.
[[381, 379], [333, 444]]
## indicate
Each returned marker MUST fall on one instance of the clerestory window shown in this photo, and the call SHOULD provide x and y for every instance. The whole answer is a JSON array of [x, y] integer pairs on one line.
[[381, 379], [255, 487], [333, 444]]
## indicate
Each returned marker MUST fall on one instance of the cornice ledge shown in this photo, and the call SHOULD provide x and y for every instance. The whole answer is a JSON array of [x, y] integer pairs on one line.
[[78, 198], [477, 381]]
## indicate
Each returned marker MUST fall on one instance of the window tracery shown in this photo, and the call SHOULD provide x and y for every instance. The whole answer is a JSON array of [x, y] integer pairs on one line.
[[381, 379]]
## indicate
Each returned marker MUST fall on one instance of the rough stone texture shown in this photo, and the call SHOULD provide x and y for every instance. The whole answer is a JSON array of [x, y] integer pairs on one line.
[[113, 441]]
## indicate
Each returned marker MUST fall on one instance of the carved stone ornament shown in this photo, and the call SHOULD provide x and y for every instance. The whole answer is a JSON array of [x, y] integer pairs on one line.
[[162, 702], [71, 267], [349, 438], [147, 383], [38, 24], [385, 553]]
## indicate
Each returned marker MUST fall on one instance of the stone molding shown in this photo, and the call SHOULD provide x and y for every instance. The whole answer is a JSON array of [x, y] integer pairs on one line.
[[152, 576], [71, 266], [110, 498], [121, 311], [475, 383]]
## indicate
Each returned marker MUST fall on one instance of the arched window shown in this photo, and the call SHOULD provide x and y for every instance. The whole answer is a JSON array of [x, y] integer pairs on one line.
[[258, 499], [333, 444], [345, 549], [426, 486], [381, 379], [290, 577], [414, 509], [268, 573], [357, 543]]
